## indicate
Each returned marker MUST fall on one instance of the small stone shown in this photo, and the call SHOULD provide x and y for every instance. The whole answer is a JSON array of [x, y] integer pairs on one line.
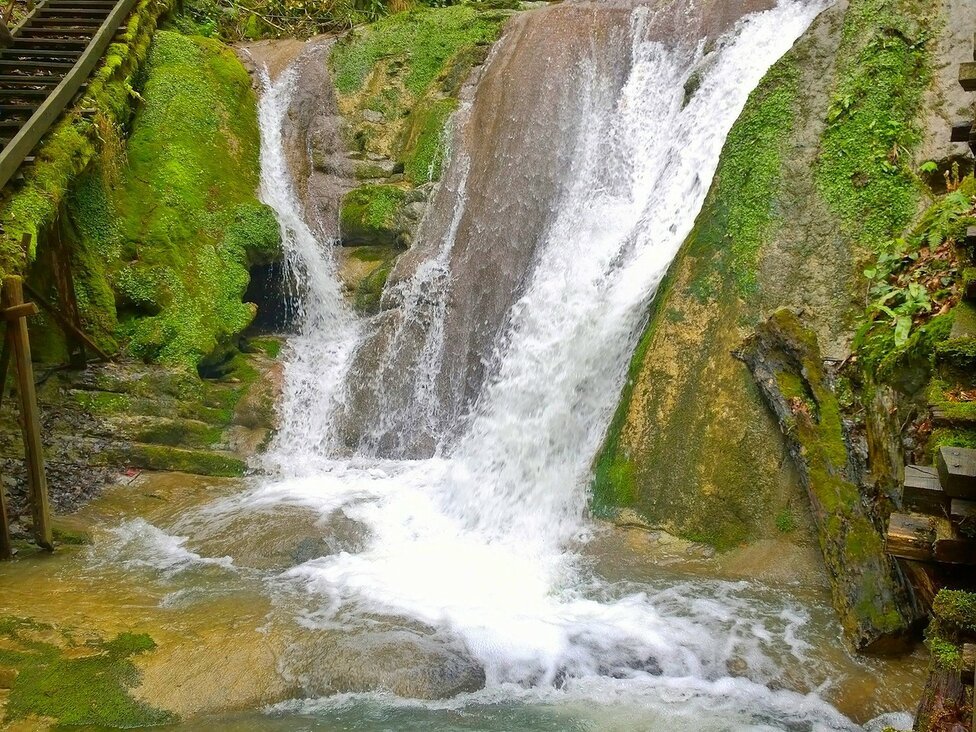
[[372, 116]]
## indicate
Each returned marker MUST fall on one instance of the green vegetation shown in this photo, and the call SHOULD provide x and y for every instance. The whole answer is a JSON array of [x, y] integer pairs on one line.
[[86, 687], [408, 68], [883, 71], [424, 40], [174, 238], [78, 139], [749, 173], [368, 214], [424, 150]]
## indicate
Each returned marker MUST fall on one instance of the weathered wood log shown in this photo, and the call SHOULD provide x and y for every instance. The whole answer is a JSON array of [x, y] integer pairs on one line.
[[943, 703], [925, 578], [957, 471], [968, 665], [872, 599], [6, 548], [923, 492]]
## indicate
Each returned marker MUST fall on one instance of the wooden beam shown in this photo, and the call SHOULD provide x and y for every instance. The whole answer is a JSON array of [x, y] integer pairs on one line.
[[911, 536], [65, 324], [960, 131], [67, 299], [12, 295], [922, 491], [6, 548]]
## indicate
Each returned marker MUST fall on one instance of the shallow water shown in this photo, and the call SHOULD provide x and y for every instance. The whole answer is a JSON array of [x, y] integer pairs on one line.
[[232, 637]]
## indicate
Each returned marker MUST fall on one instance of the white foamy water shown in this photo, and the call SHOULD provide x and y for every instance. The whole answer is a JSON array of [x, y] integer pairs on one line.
[[475, 542]]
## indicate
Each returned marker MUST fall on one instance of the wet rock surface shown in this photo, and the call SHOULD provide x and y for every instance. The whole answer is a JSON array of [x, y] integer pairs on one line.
[[106, 423]]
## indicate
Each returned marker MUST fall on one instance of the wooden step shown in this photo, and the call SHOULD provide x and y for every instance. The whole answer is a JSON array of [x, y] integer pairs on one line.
[[57, 33], [47, 22], [52, 65], [961, 131], [967, 75], [24, 108], [48, 11], [957, 471], [912, 536], [922, 491], [23, 93], [41, 44], [34, 54]]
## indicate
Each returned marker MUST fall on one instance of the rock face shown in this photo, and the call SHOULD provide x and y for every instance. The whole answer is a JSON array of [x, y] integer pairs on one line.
[[802, 192], [875, 608], [112, 418], [516, 136]]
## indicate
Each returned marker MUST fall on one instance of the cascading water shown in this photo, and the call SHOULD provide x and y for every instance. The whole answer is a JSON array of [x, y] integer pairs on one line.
[[476, 553]]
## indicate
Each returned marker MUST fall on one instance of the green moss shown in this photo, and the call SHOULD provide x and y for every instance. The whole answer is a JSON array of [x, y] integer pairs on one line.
[[189, 222], [785, 522], [71, 537], [425, 39], [959, 353], [883, 68], [956, 609], [77, 140], [270, 346], [749, 170], [368, 214], [178, 433], [198, 462], [425, 145], [909, 365], [88, 688], [103, 402], [951, 437]]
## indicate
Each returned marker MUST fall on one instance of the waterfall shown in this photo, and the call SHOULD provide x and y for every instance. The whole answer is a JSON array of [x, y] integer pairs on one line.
[[319, 354], [473, 404]]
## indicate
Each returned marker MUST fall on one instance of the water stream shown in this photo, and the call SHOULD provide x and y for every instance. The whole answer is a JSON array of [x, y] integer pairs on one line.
[[421, 557]]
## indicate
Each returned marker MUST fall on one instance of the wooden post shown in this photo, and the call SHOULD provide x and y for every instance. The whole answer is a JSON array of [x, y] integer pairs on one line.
[[6, 549], [15, 312]]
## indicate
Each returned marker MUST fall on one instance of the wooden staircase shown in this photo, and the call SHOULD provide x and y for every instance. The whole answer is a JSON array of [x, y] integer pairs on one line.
[[54, 50]]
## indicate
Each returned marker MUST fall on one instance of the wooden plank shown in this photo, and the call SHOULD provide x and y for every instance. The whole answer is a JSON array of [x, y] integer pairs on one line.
[[922, 491], [65, 324], [957, 471], [968, 665], [911, 536], [12, 295], [21, 145]]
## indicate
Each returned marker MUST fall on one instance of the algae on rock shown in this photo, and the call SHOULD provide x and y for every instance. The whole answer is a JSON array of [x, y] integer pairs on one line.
[[875, 608]]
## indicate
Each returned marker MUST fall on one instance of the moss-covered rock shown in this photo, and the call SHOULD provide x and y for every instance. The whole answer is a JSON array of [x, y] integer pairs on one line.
[[875, 608], [786, 223], [74, 684], [370, 215], [398, 79]]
